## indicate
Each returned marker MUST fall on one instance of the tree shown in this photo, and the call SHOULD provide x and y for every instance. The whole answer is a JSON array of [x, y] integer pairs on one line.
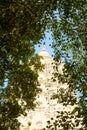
[[22, 26], [64, 120], [68, 116], [70, 45]]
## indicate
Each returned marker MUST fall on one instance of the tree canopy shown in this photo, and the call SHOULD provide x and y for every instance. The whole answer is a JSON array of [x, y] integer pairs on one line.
[[22, 26], [70, 45]]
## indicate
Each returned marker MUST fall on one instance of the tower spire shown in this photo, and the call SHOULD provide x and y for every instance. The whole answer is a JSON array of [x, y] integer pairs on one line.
[[44, 48], [44, 53]]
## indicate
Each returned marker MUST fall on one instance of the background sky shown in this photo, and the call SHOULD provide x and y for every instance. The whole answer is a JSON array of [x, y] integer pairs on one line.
[[47, 40]]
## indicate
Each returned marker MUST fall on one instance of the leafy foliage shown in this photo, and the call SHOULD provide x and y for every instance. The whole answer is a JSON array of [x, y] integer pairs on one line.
[[64, 120], [65, 96], [68, 116], [70, 45], [22, 26]]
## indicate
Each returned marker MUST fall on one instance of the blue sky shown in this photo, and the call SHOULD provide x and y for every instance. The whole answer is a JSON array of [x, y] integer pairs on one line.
[[47, 40]]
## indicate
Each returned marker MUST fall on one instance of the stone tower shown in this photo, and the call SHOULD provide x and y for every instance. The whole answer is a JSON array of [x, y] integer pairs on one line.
[[46, 107]]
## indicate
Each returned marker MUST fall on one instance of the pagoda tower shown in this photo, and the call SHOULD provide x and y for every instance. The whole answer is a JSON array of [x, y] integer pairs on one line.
[[46, 106]]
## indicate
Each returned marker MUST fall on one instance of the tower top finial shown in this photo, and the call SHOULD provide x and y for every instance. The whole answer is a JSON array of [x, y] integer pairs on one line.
[[44, 48], [44, 53]]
